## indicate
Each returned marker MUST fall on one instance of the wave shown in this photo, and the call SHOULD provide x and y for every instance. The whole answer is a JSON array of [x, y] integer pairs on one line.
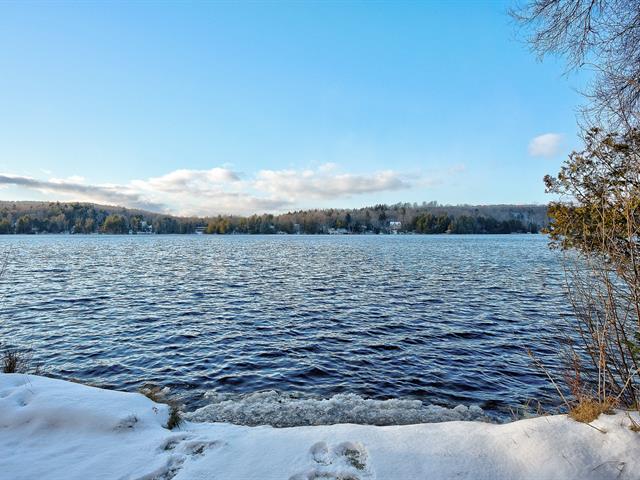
[[284, 410]]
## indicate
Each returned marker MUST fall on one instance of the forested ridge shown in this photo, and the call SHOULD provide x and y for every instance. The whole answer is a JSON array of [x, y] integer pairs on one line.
[[424, 218]]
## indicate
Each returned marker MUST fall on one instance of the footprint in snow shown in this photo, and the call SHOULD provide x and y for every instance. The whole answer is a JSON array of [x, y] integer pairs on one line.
[[181, 448], [169, 470], [320, 453], [127, 423], [196, 448], [171, 442], [346, 461]]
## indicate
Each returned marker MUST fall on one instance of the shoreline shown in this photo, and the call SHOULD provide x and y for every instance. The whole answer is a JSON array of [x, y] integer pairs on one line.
[[55, 429]]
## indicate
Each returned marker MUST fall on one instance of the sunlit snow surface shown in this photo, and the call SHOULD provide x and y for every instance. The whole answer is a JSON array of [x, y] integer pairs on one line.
[[56, 430], [281, 410]]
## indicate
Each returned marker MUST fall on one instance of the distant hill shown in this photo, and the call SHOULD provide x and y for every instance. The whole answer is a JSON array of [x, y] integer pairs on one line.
[[44, 208], [83, 217], [75, 217]]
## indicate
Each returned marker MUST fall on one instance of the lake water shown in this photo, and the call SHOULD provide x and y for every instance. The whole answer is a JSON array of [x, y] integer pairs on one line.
[[305, 325]]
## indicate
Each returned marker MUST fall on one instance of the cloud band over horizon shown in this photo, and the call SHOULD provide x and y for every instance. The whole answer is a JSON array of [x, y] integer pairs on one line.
[[220, 190]]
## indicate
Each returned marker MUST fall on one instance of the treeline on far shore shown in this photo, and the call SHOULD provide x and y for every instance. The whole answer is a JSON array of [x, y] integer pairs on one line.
[[424, 218]]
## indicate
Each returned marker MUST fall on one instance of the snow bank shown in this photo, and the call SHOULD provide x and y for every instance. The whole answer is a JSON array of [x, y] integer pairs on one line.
[[43, 404], [51, 429], [282, 410]]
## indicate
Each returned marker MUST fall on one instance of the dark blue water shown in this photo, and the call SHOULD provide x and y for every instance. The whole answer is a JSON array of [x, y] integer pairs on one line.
[[444, 320]]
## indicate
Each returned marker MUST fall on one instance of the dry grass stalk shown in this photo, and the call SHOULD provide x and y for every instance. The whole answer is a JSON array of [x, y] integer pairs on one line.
[[160, 395], [635, 426], [586, 410]]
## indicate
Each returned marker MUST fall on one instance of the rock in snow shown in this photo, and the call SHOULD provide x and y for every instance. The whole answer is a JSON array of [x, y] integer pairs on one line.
[[52, 429]]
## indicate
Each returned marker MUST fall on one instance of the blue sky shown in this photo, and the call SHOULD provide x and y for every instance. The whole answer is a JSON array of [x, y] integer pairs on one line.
[[203, 108]]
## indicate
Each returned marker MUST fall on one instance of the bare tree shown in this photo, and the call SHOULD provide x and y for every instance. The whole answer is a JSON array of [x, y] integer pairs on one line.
[[602, 35]]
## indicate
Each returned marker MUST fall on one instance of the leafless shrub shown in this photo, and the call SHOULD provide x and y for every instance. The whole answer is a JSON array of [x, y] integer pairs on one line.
[[597, 225], [15, 361]]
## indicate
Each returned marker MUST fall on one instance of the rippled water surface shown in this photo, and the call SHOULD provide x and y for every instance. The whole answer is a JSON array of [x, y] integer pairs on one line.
[[443, 320]]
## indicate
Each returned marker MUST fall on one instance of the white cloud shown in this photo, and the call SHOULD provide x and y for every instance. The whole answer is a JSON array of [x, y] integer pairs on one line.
[[71, 179], [178, 180], [547, 145], [320, 184], [213, 202]]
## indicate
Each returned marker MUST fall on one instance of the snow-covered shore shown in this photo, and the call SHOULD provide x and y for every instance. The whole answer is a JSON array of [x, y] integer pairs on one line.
[[52, 429]]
